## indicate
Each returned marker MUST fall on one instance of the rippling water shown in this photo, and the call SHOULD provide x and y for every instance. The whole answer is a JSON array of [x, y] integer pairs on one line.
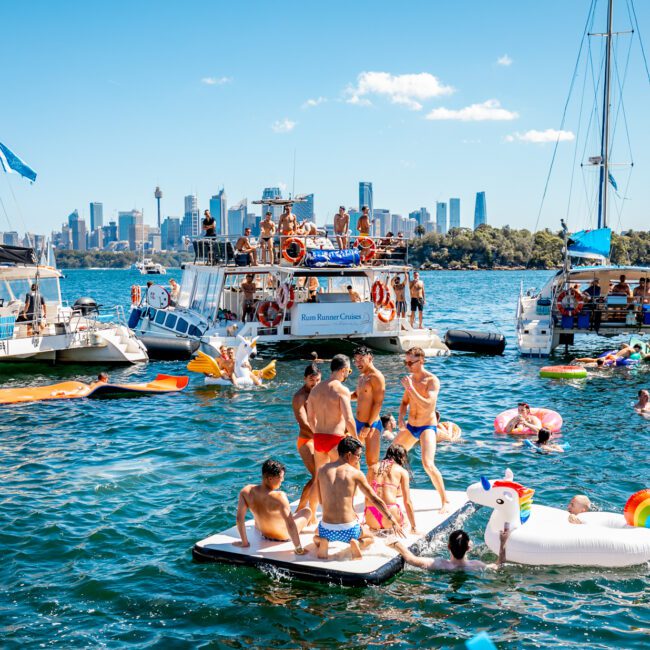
[[101, 502]]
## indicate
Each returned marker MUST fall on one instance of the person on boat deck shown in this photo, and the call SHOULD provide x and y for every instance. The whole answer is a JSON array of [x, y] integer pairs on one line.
[[354, 295], [524, 419], [642, 290], [267, 230], [342, 227], [271, 510], [458, 544], [244, 246], [622, 287], [642, 407], [34, 310], [209, 224], [288, 222], [593, 290], [399, 287], [418, 298], [388, 478], [313, 287], [578, 504], [389, 425], [337, 483], [174, 293], [307, 228], [248, 288], [305, 440], [363, 225]]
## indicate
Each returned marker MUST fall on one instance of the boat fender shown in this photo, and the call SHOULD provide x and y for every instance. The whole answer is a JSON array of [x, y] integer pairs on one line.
[[475, 341]]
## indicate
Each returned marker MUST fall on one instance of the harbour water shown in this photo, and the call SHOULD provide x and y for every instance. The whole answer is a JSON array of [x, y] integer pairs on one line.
[[102, 501]]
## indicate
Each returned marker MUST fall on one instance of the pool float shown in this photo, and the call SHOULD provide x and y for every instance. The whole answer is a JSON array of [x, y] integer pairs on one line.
[[551, 420], [208, 365], [540, 535], [448, 432], [631, 361], [637, 509], [77, 389], [563, 372]]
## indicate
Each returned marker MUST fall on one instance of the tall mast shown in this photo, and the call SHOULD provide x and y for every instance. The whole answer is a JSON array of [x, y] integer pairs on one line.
[[604, 144]]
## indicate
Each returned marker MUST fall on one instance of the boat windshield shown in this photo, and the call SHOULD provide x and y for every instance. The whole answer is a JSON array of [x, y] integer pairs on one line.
[[17, 289]]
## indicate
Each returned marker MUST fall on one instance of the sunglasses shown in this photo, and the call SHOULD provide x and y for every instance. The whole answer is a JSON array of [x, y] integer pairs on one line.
[[412, 363]]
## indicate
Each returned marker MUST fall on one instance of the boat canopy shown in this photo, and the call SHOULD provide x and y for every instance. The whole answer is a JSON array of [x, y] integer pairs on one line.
[[17, 255]]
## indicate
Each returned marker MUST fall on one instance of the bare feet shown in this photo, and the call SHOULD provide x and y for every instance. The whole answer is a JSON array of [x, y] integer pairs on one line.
[[445, 508], [355, 550]]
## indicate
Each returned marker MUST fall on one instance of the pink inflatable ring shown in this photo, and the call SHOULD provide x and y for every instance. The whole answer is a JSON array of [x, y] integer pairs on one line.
[[551, 420]]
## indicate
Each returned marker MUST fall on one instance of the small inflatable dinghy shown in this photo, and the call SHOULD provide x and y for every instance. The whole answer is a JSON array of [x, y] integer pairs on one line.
[[77, 389], [379, 563]]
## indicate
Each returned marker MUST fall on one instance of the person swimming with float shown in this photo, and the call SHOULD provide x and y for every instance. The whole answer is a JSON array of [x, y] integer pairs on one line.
[[542, 443]]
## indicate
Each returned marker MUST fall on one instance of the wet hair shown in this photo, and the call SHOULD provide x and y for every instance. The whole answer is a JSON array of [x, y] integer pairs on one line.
[[349, 287], [600, 362], [102, 376], [643, 390], [636, 346], [313, 356], [348, 445], [398, 454], [272, 468], [458, 544], [526, 404], [339, 361], [385, 419], [416, 352], [311, 370], [362, 351], [543, 436]]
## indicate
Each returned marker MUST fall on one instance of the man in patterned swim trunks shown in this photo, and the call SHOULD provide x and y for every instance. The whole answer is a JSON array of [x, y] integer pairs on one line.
[[337, 483]]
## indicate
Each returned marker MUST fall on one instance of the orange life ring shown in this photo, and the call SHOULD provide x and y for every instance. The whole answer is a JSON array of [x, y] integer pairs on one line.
[[136, 294], [378, 293], [570, 311], [263, 314], [380, 312], [367, 248], [290, 241], [285, 296]]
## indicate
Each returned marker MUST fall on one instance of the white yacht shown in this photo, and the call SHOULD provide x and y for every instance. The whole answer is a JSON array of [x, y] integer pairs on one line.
[[315, 294], [148, 267], [62, 334]]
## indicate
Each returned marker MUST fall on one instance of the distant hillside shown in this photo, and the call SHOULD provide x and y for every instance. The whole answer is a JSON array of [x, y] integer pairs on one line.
[[111, 260]]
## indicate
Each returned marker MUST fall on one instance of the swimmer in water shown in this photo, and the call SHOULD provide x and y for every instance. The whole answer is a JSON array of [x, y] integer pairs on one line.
[[579, 504], [642, 407], [543, 442], [389, 426], [523, 419]]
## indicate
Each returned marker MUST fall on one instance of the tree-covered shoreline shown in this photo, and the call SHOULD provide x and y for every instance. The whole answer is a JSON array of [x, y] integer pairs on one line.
[[66, 259]]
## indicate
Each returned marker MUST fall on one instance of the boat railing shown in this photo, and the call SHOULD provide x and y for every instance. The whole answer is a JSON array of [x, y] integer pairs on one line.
[[293, 249]]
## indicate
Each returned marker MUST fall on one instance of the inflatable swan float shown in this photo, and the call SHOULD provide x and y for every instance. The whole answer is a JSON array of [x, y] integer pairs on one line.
[[541, 535], [208, 365]]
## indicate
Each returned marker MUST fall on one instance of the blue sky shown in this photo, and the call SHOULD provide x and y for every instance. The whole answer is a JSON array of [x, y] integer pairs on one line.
[[107, 100]]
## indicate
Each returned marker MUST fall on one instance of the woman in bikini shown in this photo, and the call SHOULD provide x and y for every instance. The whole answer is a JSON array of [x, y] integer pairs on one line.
[[388, 478]]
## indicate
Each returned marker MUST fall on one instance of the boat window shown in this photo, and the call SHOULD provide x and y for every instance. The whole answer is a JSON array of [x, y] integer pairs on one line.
[[200, 287], [187, 285], [182, 326], [48, 287], [194, 331], [340, 284], [20, 288], [160, 317], [5, 294], [171, 321]]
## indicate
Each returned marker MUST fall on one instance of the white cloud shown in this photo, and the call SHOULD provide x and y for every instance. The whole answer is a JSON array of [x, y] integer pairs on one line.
[[504, 60], [540, 137], [310, 103], [283, 126], [405, 89], [216, 81], [489, 110]]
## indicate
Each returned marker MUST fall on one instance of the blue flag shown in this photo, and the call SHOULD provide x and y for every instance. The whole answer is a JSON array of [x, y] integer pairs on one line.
[[591, 243], [10, 162], [612, 181]]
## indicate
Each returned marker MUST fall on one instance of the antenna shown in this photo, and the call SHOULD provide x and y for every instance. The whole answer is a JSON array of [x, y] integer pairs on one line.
[[293, 188]]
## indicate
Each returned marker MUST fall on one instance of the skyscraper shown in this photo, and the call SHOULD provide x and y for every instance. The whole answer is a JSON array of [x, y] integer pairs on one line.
[[158, 195], [304, 211], [236, 215], [191, 226], [422, 216], [96, 216], [126, 220], [170, 233], [276, 210], [480, 210], [454, 213], [441, 218], [365, 196], [382, 222], [78, 231], [219, 212]]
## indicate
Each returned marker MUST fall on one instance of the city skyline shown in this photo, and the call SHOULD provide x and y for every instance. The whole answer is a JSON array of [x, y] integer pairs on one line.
[[423, 125]]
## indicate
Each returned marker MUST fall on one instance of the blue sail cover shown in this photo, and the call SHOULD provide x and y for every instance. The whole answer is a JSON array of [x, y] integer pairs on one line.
[[591, 243], [319, 258], [10, 162]]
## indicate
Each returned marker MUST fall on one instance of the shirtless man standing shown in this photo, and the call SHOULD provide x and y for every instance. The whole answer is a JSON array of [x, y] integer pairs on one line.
[[416, 289], [421, 390], [288, 222], [399, 287], [337, 483], [369, 394], [248, 288], [363, 224], [270, 507], [342, 227], [305, 440], [267, 230]]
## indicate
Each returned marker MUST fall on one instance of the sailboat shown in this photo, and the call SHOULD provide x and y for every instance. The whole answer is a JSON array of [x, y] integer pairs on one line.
[[146, 265], [600, 299]]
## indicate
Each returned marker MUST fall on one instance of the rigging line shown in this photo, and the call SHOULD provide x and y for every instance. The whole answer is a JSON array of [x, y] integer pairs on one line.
[[566, 106], [621, 105], [20, 214], [638, 31], [6, 214]]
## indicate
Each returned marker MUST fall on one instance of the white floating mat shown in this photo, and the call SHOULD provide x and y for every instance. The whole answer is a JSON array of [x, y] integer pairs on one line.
[[379, 562]]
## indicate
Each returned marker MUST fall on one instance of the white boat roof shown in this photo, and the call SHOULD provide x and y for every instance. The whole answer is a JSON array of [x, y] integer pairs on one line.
[[28, 272]]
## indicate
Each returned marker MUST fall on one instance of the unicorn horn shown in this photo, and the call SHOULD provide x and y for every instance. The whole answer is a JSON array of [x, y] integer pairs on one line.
[[485, 483]]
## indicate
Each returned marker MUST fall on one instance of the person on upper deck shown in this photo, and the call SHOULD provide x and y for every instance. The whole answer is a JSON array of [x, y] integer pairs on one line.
[[288, 222], [354, 295], [244, 246], [209, 224], [363, 225], [622, 287], [593, 290], [342, 227], [642, 291], [267, 230]]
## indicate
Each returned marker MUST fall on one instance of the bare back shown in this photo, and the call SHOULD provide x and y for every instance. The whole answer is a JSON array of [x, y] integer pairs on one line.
[[329, 407], [337, 484], [267, 507]]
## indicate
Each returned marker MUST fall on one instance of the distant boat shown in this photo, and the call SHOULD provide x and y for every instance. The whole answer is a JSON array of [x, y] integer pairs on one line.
[[148, 267]]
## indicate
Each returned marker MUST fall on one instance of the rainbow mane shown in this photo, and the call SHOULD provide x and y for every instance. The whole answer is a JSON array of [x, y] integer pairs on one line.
[[525, 497]]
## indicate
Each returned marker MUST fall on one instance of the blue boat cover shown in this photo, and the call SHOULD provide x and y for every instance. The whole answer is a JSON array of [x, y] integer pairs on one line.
[[591, 243], [345, 257]]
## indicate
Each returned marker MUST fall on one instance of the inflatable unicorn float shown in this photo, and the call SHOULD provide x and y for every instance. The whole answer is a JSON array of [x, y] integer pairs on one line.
[[244, 375], [541, 535]]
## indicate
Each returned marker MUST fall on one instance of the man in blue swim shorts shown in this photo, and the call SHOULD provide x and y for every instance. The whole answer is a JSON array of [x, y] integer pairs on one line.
[[337, 483], [371, 387], [421, 390]]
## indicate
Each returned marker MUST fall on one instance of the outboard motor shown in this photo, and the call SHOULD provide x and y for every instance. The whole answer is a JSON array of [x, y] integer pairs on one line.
[[474, 341], [86, 306]]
